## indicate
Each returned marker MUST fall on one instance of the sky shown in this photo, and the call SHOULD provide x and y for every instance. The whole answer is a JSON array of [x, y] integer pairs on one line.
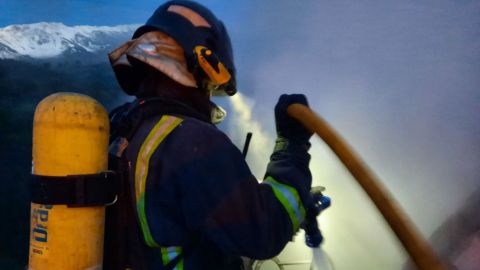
[[398, 79], [98, 12]]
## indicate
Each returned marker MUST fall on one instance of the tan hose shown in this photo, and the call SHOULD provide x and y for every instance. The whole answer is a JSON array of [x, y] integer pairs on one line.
[[418, 249]]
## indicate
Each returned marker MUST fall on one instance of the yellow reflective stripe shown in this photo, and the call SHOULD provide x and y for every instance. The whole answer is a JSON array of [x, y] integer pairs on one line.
[[158, 133], [289, 198], [170, 253], [154, 138]]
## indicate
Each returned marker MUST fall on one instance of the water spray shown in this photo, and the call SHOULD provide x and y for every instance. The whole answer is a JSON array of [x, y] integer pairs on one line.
[[418, 249], [313, 236]]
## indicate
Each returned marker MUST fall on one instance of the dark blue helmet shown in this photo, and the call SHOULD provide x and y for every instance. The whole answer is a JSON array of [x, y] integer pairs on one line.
[[194, 26]]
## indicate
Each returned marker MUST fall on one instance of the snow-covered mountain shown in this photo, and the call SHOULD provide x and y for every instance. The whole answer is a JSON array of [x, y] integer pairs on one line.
[[46, 40]]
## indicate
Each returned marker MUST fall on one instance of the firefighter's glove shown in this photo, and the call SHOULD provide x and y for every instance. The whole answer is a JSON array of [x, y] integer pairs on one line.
[[287, 127]]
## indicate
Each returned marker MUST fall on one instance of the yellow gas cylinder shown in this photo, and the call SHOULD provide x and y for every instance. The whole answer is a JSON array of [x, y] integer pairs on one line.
[[70, 137]]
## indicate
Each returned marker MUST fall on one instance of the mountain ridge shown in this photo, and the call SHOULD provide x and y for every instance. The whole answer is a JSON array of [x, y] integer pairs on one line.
[[45, 40]]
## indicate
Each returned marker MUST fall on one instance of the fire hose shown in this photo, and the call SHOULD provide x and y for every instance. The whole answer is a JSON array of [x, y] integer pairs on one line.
[[420, 252]]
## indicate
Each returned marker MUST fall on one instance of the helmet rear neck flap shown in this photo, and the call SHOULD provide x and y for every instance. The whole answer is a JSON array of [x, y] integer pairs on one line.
[[205, 42]]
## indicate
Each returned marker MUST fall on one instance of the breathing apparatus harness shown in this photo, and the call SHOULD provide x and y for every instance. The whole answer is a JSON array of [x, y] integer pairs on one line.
[[123, 249]]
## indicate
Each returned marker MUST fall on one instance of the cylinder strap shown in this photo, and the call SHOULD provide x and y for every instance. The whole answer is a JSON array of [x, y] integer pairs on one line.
[[75, 190]]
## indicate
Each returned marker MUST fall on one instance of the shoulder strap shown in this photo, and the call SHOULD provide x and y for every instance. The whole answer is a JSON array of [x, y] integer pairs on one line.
[[123, 248]]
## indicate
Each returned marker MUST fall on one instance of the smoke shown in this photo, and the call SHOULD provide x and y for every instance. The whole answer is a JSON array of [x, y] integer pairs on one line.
[[399, 80], [243, 122]]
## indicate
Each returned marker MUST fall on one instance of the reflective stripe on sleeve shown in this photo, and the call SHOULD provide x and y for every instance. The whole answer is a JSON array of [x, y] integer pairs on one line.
[[159, 132], [170, 253], [288, 197]]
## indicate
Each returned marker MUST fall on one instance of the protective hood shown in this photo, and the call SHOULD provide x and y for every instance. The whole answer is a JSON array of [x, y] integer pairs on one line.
[[155, 49]]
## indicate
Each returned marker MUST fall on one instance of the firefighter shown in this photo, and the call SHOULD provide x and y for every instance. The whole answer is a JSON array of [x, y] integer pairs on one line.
[[195, 203]]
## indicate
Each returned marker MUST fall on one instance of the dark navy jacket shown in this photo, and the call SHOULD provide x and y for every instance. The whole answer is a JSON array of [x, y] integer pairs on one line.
[[196, 196]]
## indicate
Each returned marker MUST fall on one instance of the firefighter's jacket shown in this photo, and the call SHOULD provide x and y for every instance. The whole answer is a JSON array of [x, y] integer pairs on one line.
[[196, 198]]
